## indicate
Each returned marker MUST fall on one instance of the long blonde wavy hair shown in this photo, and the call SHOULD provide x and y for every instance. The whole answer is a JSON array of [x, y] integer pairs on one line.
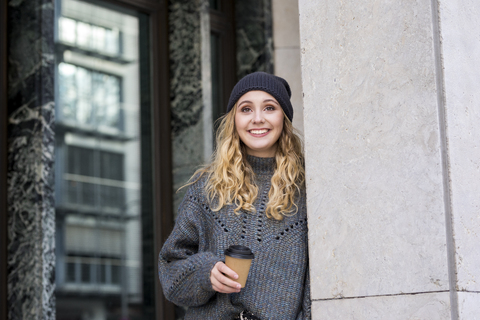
[[231, 178]]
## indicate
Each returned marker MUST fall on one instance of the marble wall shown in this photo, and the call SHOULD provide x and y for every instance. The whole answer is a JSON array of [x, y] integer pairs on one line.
[[31, 216], [391, 114], [253, 21], [185, 91]]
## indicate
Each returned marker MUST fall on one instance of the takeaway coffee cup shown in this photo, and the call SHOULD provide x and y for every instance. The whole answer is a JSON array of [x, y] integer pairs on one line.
[[239, 258]]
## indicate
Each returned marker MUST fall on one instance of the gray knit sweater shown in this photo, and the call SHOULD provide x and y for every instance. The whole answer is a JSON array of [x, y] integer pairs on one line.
[[278, 283]]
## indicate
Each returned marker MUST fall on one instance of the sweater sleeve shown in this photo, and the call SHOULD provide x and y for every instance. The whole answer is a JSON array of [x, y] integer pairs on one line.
[[183, 269]]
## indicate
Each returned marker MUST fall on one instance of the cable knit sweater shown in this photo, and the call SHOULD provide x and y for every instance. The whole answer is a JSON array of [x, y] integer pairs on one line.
[[278, 282]]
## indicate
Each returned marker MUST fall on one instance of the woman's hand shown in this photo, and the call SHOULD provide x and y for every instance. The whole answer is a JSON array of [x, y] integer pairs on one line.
[[220, 281]]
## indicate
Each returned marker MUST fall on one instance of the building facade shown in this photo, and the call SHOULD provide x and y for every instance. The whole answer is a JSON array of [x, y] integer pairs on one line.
[[107, 107]]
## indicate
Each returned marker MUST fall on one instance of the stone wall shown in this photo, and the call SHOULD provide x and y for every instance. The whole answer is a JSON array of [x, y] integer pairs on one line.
[[185, 92], [31, 215], [459, 31], [392, 159], [253, 23]]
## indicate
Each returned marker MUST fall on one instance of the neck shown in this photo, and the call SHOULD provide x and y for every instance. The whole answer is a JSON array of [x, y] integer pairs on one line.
[[262, 165]]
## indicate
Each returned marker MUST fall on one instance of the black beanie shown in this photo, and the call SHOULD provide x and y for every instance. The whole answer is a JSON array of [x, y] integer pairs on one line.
[[276, 86]]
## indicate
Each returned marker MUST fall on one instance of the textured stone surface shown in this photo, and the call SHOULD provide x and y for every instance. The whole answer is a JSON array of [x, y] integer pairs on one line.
[[403, 307], [461, 48], [31, 215], [185, 64], [253, 24], [185, 92], [468, 306], [374, 174]]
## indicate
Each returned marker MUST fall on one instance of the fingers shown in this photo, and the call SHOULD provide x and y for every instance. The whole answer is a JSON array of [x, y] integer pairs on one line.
[[220, 282], [222, 267]]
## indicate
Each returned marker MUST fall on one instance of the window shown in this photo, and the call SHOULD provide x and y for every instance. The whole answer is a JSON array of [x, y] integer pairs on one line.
[[95, 178], [107, 232], [89, 98], [90, 37]]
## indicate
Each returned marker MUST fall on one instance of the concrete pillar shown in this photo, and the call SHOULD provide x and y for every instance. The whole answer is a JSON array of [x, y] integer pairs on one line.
[[390, 107], [460, 49]]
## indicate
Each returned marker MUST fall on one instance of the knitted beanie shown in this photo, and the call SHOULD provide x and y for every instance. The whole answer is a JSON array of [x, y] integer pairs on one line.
[[276, 86]]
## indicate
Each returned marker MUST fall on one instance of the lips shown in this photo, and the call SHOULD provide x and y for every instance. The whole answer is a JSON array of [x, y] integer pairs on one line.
[[258, 131]]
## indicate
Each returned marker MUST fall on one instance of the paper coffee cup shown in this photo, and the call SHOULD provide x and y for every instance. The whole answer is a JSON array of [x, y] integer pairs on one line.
[[239, 258]]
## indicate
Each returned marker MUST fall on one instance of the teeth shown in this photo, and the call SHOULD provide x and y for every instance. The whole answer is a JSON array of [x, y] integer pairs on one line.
[[258, 131]]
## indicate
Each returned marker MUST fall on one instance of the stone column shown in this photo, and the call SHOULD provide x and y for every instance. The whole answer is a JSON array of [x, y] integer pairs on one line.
[[391, 113], [459, 30], [31, 215], [186, 91]]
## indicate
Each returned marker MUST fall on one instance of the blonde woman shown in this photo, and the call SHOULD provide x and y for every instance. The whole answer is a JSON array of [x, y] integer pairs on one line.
[[251, 194]]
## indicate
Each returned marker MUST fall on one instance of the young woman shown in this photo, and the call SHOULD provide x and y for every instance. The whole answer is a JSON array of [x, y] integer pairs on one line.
[[252, 194]]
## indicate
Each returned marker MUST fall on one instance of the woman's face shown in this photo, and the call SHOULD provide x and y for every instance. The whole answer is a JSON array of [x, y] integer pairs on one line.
[[259, 123]]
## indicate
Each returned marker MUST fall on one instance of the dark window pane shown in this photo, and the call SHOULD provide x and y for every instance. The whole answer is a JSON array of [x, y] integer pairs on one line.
[[88, 194], [85, 272], [85, 167], [103, 275], [111, 165], [214, 4], [70, 274], [116, 274], [73, 189]]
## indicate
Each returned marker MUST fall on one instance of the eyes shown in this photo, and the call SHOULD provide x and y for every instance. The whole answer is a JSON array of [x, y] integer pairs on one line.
[[247, 109], [270, 108]]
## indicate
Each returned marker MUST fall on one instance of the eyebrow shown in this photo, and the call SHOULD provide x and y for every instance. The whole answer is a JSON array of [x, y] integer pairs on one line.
[[244, 101], [271, 100], [266, 100]]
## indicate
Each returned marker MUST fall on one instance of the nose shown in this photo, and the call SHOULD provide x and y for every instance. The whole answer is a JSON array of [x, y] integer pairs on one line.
[[258, 118]]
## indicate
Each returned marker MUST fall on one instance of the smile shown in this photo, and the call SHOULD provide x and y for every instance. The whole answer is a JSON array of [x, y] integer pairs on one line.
[[259, 131]]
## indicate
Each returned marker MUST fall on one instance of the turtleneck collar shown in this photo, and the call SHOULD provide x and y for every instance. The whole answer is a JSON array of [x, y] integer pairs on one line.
[[262, 165]]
